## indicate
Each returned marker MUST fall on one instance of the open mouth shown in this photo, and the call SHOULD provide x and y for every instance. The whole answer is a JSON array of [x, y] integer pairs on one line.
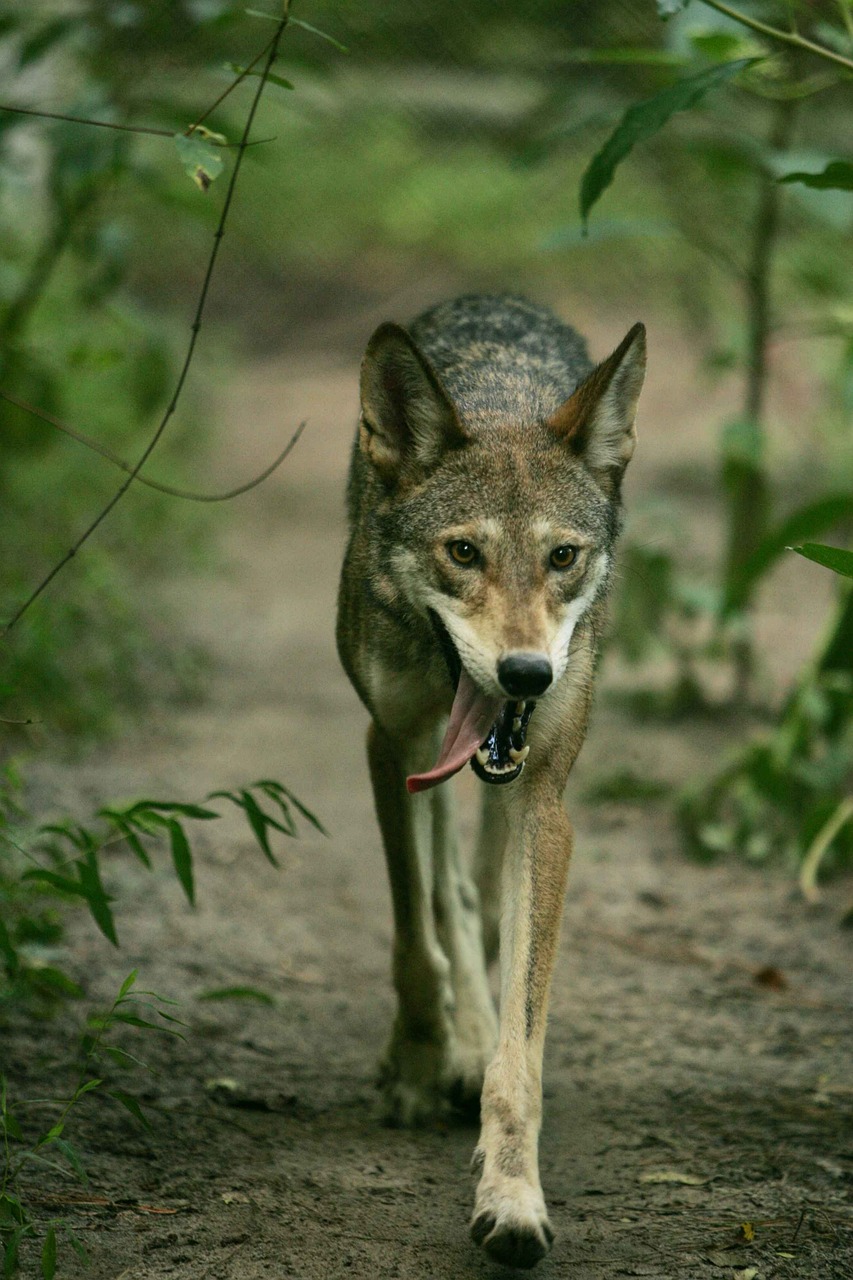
[[487, 731], [501, 757]]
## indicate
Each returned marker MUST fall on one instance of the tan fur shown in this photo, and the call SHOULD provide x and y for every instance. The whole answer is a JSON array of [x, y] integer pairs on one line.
[[487, 424]]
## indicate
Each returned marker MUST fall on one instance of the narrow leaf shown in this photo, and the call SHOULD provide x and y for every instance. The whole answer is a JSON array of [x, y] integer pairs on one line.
[[127, 984], [171, 806], [97, 900], [182, 859], [237, 993], [315, 31], [130, 1104], [48, 1255], [644, 119], [275, 789], [242, 71], [77, 1244], [123, 825], [835, 558], [837, 176], [63, 1145], [87, 1088]]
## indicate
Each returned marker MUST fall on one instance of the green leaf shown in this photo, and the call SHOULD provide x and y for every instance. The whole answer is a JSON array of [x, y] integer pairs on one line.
[[242, 71], [123, 825], [122, 1058], [10, 1253], [130, 1104], [835, 558], [133, 1021], [9, 1123], [837, 176], [48, 1137], [87, 1088], [9, 951], [127, 984], [170, 806], [182, 859], [275, 790], [813, 518], [96, 899], [315, 31], [644, 119], [201, 160], [77, 1244], [48, 1255], [63, 1145], [237, 993]]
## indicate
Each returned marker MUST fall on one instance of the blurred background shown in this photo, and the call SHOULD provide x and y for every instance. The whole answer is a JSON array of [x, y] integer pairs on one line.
[[406, 152]]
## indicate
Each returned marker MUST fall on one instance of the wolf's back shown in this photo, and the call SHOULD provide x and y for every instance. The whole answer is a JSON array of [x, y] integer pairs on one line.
[[502, 356]]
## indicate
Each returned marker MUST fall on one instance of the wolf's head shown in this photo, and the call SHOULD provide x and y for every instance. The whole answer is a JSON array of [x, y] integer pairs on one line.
[[497, 515]]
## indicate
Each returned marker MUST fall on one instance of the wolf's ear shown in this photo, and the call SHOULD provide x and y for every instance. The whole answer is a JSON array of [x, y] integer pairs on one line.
[[597, 420], [407, 416]]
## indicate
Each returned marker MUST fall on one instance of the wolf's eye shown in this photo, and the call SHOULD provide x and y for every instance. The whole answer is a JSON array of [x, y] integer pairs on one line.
[[463, 552], [562, 557]]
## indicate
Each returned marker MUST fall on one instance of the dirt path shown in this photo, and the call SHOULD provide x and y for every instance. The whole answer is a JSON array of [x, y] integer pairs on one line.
[[697, 1071]]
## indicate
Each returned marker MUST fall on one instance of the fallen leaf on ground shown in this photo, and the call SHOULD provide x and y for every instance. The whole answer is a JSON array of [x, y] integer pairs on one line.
[[748, 1273], [771, 977], [747, 1231], [672, 1175]]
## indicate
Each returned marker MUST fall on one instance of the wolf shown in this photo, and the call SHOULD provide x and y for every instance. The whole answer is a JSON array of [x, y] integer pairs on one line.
[[484, 507]]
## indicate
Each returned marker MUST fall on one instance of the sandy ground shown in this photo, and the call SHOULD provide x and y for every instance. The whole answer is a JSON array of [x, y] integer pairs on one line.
[[698, 1063]]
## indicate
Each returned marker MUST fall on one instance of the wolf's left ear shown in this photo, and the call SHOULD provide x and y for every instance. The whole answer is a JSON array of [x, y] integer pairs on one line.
[[408, 419], [597, 420]]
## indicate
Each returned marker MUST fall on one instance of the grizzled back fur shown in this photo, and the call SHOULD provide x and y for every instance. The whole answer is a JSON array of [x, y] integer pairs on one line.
[[502, 357]]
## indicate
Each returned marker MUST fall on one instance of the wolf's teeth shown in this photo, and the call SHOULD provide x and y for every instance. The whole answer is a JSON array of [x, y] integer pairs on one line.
[[516, 724], [483, 756], [519, 708], [519, 756]]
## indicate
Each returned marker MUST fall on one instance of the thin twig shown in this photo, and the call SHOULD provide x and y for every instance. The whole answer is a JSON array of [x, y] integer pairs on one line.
[[233, 85], [195, 327], [173, 492], [142, 128], [96, 124], [787, 37]]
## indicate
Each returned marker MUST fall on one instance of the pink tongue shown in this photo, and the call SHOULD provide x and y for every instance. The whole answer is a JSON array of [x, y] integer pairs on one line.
[[471, 717]]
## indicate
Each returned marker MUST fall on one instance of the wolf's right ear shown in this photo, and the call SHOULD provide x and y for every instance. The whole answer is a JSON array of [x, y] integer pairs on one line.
[[597, 420], [407, 416]]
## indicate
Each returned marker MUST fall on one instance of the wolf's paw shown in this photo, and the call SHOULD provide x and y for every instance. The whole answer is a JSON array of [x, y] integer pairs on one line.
[[416, 1082], [423, 1081], [511, 1224]]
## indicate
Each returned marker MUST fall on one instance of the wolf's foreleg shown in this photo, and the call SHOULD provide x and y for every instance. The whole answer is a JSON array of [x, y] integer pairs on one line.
[[510, 1220], [418, 1069], [457, 907], [488, 864]]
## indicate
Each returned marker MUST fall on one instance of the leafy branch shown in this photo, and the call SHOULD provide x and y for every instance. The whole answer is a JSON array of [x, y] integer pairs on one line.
[[272, 53], [16, 1219], [73, 849], [776, 33], [668, 8]]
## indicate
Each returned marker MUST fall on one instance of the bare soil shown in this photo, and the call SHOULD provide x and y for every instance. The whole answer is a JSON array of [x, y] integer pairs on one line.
[[698, 1071]]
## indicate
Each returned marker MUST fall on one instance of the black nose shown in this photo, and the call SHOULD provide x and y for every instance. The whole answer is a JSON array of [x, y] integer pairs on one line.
[[525, 675]]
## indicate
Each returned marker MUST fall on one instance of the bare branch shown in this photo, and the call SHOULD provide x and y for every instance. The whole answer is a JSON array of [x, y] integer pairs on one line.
[[195, 328], [187, 494]]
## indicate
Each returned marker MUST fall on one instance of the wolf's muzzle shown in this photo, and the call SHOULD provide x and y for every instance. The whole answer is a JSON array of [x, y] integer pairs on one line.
[[525, 675]]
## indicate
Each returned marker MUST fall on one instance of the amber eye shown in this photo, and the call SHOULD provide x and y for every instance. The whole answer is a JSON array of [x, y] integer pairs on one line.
[[463, 552], [562, 557]]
